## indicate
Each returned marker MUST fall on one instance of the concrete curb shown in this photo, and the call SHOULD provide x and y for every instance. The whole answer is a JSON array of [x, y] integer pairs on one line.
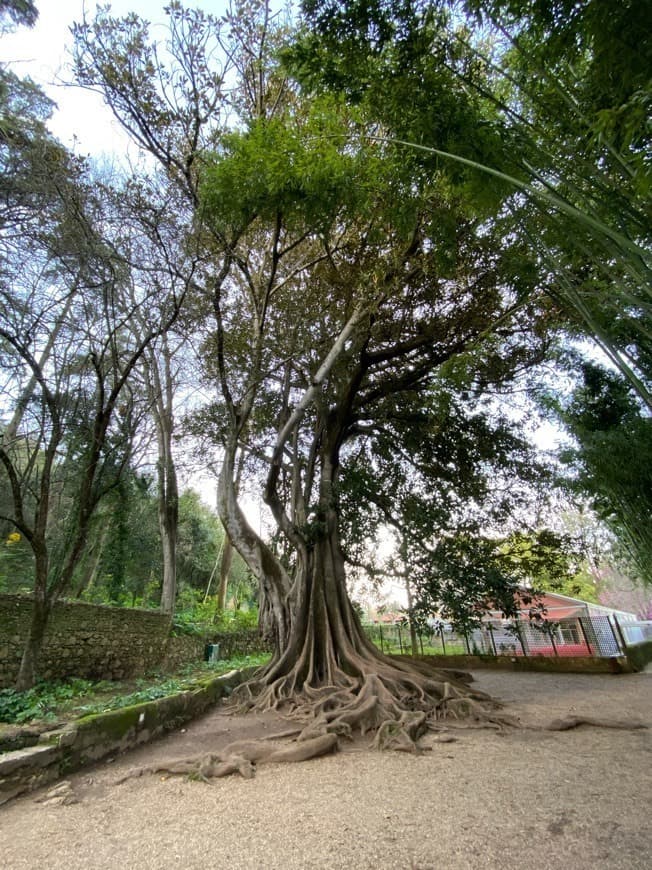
[[93, 737], [545, 664]]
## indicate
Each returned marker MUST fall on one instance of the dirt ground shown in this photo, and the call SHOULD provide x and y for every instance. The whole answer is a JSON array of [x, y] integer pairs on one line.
[[519, 799]]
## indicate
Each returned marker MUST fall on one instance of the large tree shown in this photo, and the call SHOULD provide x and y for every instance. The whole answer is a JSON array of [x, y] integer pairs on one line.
[[342, 277]]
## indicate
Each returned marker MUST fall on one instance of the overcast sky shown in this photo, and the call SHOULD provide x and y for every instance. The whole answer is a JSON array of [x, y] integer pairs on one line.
[[82, 121]]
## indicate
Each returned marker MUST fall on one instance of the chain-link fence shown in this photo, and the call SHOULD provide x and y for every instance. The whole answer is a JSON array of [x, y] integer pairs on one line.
[[601, 636], [573, 636], [397, 638]]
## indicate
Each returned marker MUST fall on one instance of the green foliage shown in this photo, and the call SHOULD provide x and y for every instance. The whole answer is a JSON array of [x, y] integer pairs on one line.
[[577, 585], [200, 538], [609, 43], [409, 66], [565, 89], [129, 568], [542, 558], [42, 701], [612, 462], [19, 12], [202, 618], [433, 468], [295, 167], [464, 576], [16, 564], [49, 701], [237, 620]]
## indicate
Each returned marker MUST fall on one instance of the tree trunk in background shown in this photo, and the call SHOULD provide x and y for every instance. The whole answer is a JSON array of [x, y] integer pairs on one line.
[[92, 560], [161, 383], [27, 671], [168, 514], [225, 569], [274, 581], [414, 640], [41, 607]]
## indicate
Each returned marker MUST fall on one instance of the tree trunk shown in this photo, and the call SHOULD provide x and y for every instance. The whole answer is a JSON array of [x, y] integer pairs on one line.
[[41, 608], [92, 561], [327, 669], [275, 583], [414, 638], [225, 569], [168, 518], [326, 639]]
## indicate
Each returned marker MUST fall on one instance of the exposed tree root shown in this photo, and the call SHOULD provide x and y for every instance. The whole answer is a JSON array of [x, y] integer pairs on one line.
[[569, 722], [394, 700], [397, 705], [241, 757], [397, 702]]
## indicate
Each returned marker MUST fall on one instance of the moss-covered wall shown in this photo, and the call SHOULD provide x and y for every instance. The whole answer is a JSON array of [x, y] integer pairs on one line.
[[640, 655], [84, 640], [547, 664]]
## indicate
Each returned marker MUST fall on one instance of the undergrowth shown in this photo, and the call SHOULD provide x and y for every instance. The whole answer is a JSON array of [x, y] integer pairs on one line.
[[50, 701]]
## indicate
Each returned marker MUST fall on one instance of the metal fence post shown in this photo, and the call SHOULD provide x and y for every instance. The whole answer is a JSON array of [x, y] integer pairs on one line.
[[584, 635], [380, 631], [620, 635], [400, 639], [443, 642], [552, 640], [491, 635], [520, 637]]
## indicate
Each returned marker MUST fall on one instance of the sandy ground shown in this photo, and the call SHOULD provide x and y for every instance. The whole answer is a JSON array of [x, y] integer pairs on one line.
[[521, 800]]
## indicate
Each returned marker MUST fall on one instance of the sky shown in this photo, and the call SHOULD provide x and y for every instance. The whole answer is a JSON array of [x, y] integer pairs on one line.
[[82, 121]]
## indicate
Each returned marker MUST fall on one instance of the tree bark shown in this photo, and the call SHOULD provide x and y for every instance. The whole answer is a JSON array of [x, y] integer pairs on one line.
[[168, 513], [92, 561], [265, 566], [160, 384], [225, 569], [31, 652], [41, 606]]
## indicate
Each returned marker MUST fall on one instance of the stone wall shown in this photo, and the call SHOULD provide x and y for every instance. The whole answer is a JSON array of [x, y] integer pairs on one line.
[[181, 651], [186, 648], [84, 640]]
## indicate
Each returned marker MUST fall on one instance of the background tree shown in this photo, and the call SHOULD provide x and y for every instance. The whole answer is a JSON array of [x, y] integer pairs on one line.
[[610, 462], [17, 12], [450, 477], [65, 354], [159, 235]]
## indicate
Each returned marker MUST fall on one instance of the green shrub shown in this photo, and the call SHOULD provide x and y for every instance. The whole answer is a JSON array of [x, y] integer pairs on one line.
[[201, 618], [48, 701], [42, 701]]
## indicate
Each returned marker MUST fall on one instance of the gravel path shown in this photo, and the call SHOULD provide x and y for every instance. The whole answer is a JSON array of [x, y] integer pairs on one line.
[[515, 801]]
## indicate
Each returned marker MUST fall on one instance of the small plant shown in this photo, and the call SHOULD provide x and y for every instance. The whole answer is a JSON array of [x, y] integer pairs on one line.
[[40, 702], [48, 701]]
